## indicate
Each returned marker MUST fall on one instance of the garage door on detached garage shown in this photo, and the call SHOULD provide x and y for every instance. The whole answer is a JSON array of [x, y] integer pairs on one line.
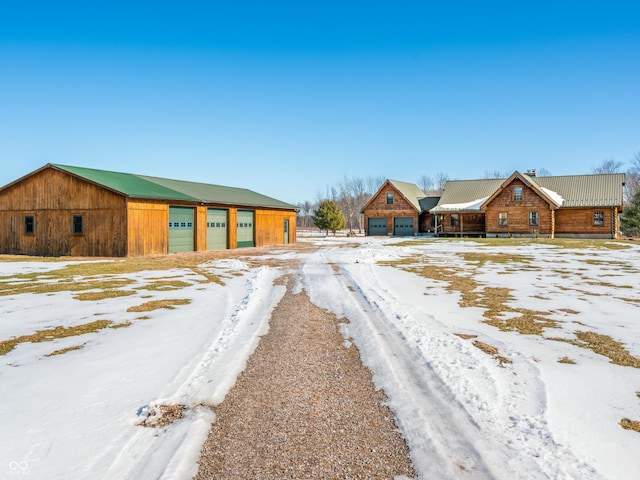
[[377, 226], [181, 229], [217, 229], [403, 226], [245, 228]]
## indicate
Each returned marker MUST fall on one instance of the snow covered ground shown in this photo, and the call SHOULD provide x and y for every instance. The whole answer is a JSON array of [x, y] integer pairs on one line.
[[465, 413]]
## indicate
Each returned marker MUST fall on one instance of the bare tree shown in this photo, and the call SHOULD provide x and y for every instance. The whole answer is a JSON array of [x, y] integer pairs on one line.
[[494, 174], [543, 172], [440, 180], [632, 179], [426, 184], [372, 184], [608, 165]]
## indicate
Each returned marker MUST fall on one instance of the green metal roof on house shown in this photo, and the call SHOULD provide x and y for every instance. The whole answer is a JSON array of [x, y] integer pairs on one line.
[[598, 190], [410, 191], [142, 186], [461, 195]]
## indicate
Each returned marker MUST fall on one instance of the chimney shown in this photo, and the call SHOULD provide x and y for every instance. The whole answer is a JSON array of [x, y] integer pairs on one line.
[[532, 172]]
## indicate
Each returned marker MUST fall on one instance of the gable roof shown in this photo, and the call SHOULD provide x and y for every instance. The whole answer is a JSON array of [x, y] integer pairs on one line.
[[549, 196], [142, 186], [409, 191], [597, 190]]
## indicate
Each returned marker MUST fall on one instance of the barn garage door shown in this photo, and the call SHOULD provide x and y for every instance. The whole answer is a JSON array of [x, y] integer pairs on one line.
[[181, 229], [377, 226], [245, 228], [403, 226], [216, 229]]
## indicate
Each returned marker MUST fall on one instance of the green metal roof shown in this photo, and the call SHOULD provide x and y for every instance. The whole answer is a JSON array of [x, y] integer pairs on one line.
[[142, 186], [598, 190], [461, 195], [410, 191]]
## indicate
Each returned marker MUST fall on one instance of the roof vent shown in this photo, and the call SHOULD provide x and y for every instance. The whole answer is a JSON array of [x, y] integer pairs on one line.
[[532, 172]]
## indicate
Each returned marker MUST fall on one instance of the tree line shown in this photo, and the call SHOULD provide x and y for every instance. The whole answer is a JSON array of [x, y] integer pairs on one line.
[[351, 194]]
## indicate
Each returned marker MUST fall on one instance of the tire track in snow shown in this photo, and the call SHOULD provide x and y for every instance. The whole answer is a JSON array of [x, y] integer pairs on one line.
[[436, 425], [445, 440]]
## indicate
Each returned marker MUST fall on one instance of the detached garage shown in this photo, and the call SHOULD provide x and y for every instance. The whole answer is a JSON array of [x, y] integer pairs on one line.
[[65, 210]]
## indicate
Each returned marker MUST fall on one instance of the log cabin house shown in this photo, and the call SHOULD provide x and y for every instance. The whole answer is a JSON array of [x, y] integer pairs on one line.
[[586, 206], [64, 210]]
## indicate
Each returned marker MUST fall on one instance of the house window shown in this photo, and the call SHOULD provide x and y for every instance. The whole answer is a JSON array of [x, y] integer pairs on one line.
[[29, 224], [455, 219], [503, 219], [517, 193], [598, 218], [534, 219], [389, 198], [78, 227]]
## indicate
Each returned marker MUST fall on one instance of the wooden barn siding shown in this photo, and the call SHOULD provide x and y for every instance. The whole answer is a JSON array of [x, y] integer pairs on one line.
[[270, 227], [378, 208], [518, 211], [579, 221], [148, 228], [53, 197]]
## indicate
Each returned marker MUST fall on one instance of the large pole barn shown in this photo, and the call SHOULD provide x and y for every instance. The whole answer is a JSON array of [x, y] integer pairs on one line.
[[64, 210]]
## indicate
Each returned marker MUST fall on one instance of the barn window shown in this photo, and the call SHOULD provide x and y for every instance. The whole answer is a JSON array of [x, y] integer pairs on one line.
[[534, 219], [503, 219], [29, 224], [78, 227], [517, 193], [598, 218], [455, 219], [389, 198]]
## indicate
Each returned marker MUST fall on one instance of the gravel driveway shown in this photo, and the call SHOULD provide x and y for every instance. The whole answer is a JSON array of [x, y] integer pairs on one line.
[[304, 407]]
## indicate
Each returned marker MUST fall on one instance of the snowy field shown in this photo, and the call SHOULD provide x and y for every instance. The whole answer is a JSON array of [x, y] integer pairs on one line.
[[486, 351]]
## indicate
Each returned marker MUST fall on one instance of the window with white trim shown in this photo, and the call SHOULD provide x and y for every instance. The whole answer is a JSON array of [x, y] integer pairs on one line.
[[503, 219]]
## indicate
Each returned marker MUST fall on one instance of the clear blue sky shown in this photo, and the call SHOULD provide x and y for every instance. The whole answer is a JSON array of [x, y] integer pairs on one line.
[[286, 98]]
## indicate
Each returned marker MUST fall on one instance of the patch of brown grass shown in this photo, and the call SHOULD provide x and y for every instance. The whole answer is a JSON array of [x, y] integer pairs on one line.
[[481, 259], [472, 294], [65, 350], [157, 304], [50, 334], [491, 350], [163, 415], [104, 294], [603, 345], [121, 325], [566, 360], [48, 285], [465, 336], [164, 285], [485, 347], [630, 424], [568, 311]]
